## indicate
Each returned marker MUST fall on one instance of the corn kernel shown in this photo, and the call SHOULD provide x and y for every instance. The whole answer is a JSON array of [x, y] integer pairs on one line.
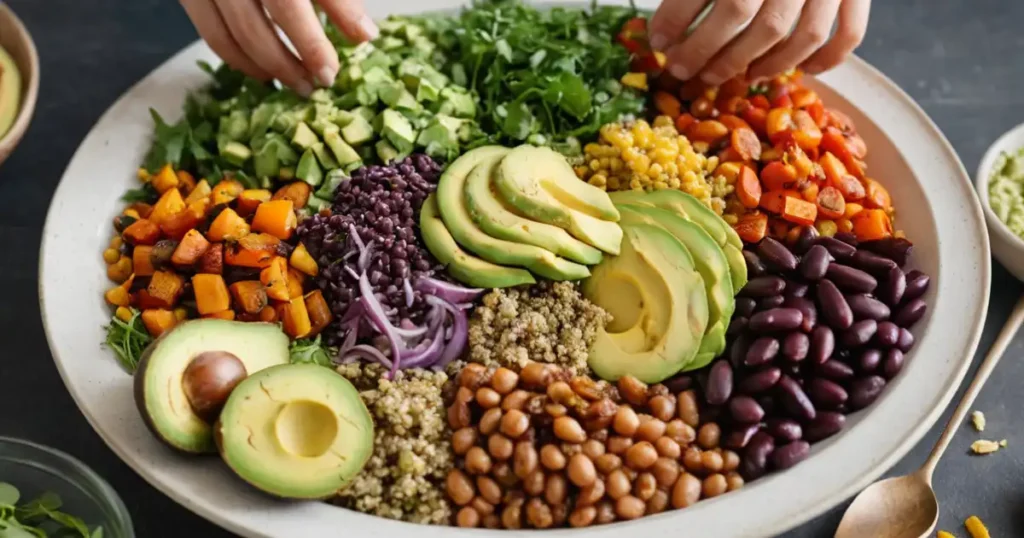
[[730, 219], [595, 165], [123, 313], [701, 147], [852, 209], [131, 213], [116, 241], [581, 171], [663, 121], [180, 314], [654, 171], [844, 225], [111, 255], [598, 180], [674, 182], [826, 228], [711, 164], [660, 185]]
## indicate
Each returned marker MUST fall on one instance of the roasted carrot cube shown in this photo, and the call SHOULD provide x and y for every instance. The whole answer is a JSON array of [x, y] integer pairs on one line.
[[141, 263], [201, 191], [871, 224], [253, 250], [211, 293], [297, 191], [141, 232], [752, 228], [164, 180], [177, 225], [302, 261], [223, 314], [169, 204], [186, 183], [228, 226], [275, 278], [158, 321], [268, 314], [250, 295], [295, 281], [295, 318], [191, 248], [212, 261], [250, 199], [318, 310], [276, 217], [799, 211]]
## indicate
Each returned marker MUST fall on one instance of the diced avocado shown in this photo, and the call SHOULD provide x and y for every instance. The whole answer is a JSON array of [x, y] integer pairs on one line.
[[236, 153], [315, 204], [457, 102], [397, 130], [286, 121], [439, 140], [366, 112], [266, 163], [461, 265], [426, 91], [320, 125], [330, 184], [390, 43], [391, 26], [375, 75], [658, 304], [285, 153], [358, 131], [308, 169], [377, 60], [451, 203], [327, 160], [304, 137], [322, 95], [386, 152], [343, 152], [342, 117], [295, 431], [540, 183], [349, 76], [262, 117], [285, 173], [235, 125], [160, 380]]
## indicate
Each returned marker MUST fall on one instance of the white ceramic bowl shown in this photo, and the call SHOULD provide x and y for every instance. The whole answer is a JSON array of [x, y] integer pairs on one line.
[[1007, 246], [72, 281]]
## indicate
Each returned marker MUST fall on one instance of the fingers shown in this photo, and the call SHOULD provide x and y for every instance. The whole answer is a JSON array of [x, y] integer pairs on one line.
[[351, 18], [254, 33], [769, 27], [725, 21], [303, 28], [811, 32], [214, 31], [671, 20], [853, 23]]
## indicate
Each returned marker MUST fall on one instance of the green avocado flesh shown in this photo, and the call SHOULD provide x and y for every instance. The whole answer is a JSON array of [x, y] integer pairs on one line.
[[298, 431], [159, 394], [10, 91]]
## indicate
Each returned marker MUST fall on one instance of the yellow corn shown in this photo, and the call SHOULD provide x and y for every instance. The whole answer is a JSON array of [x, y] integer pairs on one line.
[[131, 213], [180, 314], [976, 528], [844, 225], [852, 209], [111, 255], [944, 534], [123, 313], [142, 174], [827, 228]]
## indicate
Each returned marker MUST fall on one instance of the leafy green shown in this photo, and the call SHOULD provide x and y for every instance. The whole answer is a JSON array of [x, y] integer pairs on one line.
[[310, 350], [146, 193], [39, 518], [128, 339]]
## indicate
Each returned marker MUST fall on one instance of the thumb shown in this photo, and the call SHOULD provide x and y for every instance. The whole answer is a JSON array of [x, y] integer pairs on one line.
[[351, 18], [671, 21]]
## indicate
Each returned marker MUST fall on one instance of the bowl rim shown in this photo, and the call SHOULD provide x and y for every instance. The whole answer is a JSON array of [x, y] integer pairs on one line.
[[31, 92], [983, 176]]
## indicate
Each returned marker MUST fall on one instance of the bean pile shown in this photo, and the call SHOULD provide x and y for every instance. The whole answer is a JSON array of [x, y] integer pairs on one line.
[[541, 449], [820, 328]]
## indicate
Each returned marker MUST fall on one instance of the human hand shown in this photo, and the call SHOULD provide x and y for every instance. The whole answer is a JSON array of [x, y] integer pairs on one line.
[[243, 35], [720, 48]]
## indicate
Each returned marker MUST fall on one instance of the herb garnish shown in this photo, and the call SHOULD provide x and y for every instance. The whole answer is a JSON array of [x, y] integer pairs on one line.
[[310, 350], [39, 518], [128, 339]]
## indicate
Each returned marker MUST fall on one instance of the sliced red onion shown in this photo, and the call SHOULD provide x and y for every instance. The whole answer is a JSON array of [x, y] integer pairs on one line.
[[352, 271], [364, 257], [371, 353], [408, 292], [375, 312], [427, 356], [354, 234], [452, 293], [460, 331]]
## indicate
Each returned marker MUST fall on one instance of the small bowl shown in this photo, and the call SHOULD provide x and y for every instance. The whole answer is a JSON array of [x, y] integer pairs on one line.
[[1007, 247], [16, 40], [36, 469]]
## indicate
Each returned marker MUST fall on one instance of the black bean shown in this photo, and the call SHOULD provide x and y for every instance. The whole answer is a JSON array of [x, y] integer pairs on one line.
[[825, 393], [859, 333], [851, 279], [745, 306], [745, 409], [794, 399], [795, 346], [872, 263], [755, 267], [847, 237], [865, 306], [833, 305], [763, 286], [815, 263], [759, 381], [761, 351], [823, 343], [910, 313], [839, 250], [784, 429], [834, 370], [906, 340], [825, 425], [893, 363], [806, 307], [769, 303], [719, 384], [896, 249], [738, 349], [888, 334], [737, 326], [865, 390], [678, 383], [739, 437], [776, 254], [790, 454], [755, 456], [804, 241], [796, 289], [776, 319], [917, 285], [869, 360]]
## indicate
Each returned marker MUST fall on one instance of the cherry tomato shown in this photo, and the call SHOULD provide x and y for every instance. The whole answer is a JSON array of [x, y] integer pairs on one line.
[[840, 121], [803, 97], [850, 187], [745, 143], [684, 121], [757, 119], [834, 168], [831, 203], [876, 196], [732, 122], [760, 101], [779, 122]]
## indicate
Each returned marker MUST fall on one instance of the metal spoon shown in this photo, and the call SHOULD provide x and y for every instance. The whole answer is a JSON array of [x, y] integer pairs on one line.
[[905, 506]]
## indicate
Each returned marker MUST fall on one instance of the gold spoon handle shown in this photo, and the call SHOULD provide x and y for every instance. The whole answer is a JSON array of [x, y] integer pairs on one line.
[[994, 354]]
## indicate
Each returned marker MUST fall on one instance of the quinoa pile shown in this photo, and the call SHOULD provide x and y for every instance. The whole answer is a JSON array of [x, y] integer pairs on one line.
[[546, 322], [412, 455]]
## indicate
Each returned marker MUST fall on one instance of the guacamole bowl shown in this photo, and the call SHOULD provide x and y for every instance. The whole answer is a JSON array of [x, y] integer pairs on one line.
[[1007, 246], [17, 48]]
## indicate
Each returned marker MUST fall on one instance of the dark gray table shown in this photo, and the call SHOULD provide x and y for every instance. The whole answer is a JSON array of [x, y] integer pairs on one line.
[[956, 58]]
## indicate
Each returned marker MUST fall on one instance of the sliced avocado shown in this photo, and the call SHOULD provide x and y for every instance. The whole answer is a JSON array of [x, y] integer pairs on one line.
[[327, 160], [691, 208], [308, 169], [386, 152], [314, 204], [494, 218], [266, 162], [343, 152], [426, 91], [349, 76], [366, 112], [330, 184], [540, 183], [709, 260], [456, 101], [236, 153], [658, 304], [304, 137], [451, 203], [10, 91], [463, 266], [298, 431], [160, 393], [358, 131], [397, 130]]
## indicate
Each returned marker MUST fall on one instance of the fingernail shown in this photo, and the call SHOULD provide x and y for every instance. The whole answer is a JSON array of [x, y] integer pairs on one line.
[[679, 72], [368, 27], [326, 76], [712, 79], [658, 42], [303, 88]]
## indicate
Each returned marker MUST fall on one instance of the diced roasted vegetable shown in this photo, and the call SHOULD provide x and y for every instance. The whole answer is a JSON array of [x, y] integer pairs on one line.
[[295, 318], [141, 232], [275, 279], [191, 248], [225, 192], [276, 217], [141, 260], [297, 191], [211, 293], [169, 204], [200, 192], [318, 310], [250, 199], [121, 270], [223, 314], [295, 281], [165, 288], [163, 251], [253, 250], [301, 260], [164, 180], [212, 261], [158, 320], [228, 226], [250, 295]]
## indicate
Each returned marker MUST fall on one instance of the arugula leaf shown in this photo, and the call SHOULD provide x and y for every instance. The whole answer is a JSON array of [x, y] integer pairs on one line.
[[311, 351], [568, 91], [146, 194], [128, 340]]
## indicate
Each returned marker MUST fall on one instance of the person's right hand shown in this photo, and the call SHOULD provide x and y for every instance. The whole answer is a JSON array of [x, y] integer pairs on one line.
[[244, 36]]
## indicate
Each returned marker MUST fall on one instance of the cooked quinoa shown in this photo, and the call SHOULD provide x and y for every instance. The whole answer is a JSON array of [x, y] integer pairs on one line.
[[404, 478], [547, 322]]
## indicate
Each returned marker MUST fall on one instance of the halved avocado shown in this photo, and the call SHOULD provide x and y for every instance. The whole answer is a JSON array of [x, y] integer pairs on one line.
[[298, 431], [10, 91], [160, 380]]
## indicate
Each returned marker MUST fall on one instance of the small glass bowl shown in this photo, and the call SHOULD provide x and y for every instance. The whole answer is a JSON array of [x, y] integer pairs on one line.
[[35, 469]]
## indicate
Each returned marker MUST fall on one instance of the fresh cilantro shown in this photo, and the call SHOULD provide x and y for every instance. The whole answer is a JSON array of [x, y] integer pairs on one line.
[[146, 194], [39, 518], [128, 339], [311, 351]]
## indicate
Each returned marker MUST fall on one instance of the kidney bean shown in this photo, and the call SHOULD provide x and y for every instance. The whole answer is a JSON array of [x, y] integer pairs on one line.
[[796, 289], [719, 384], [795, 346], [763, 350], [769, 303], [823, 343], [775, 253], [834, 307], [755, 455], [678, 383], [763, 286], [745, 409], [893, 363], [745, 306], [815, 263], [846, 237], [807, 308], [776, 319], [865, 390], [825, 393], [888, 334], [859, 333], [865, 306], [759, 381], [851, 279], [794, 399], [869, 360], [896, 249], [910, 313], [790, 454], [838, 249], [825, 425], [917, 285], [834, 370], [872, 263], [804, 241], [755, 267], [906, 341], [740, 436], [737, 326], [739, 348], [784, 429]]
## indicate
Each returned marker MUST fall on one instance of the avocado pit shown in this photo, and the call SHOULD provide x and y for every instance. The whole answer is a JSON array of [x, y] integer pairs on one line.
[[209, 379]]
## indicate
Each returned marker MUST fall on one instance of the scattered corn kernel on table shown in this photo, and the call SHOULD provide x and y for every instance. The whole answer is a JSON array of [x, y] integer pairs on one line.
[[956, 60]]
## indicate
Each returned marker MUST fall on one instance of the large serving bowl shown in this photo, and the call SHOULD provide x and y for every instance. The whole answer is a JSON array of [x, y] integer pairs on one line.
[[908, 154]]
